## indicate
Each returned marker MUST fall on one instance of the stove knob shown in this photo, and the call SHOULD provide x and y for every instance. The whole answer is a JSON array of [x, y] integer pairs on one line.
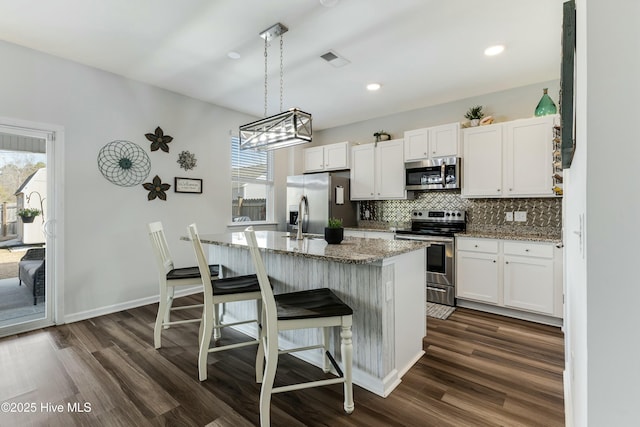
[[459, 214], [419, 213], [448, 214]]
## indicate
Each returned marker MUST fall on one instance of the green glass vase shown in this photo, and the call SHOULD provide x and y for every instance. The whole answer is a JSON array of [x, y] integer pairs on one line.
[[546, 105]]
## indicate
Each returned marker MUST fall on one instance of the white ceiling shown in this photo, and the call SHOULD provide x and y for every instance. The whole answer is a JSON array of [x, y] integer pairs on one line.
[[423, 52]]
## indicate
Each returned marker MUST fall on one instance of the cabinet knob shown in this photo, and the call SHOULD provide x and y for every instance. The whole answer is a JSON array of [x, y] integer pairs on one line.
[[494, 261], [475, 246], [425, 153], [498, 189], [507, 262], [511, 189], [526, 250], [372, 194]]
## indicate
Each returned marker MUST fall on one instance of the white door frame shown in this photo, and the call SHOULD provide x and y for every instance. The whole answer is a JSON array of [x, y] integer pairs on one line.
[[54, 226]]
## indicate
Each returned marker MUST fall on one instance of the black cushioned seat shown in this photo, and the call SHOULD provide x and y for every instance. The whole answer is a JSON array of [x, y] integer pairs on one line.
[[236, 285], [310, 304], [191, 272]]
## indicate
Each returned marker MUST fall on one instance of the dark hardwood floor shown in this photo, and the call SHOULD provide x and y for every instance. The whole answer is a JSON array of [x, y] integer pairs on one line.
[[479, 370]]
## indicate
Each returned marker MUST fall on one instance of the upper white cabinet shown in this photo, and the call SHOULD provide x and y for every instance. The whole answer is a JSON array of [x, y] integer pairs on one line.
[[327, 157], [437, 141], [511, 159], [377, 171]]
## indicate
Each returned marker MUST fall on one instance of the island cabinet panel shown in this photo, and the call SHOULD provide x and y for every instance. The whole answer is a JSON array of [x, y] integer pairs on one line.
[[388, 322]]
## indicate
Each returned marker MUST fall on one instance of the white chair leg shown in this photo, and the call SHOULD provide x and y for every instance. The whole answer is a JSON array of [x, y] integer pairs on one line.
[[167, 314], [162, 313], [326, 364], [346, 347], [217, 332], [267, 384], [205, 340]]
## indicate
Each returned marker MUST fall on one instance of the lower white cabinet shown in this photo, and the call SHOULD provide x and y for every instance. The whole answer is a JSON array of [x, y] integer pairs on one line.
[[520, 275], [478, 280]]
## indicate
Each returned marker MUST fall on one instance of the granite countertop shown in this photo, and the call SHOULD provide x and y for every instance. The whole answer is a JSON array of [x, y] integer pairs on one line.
[[352, 250], [512, 235]]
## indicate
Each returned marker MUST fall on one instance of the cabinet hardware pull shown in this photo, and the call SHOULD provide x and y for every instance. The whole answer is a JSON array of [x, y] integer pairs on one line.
[[429, 288]]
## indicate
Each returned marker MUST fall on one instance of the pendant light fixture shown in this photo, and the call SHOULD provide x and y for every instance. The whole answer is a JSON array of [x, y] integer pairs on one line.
[[284, 129]]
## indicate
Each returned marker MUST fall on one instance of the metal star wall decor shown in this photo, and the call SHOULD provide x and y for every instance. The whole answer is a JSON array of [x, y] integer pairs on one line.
[[156, 189], [187, 160], [159, 140]]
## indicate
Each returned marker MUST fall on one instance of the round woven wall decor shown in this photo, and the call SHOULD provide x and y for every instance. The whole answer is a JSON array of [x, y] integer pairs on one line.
[[124, 163]]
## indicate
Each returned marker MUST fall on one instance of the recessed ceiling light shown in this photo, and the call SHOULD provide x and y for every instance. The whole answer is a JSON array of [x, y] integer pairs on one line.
[[233, 55], [373, 86], [494, 50], [328, 3]]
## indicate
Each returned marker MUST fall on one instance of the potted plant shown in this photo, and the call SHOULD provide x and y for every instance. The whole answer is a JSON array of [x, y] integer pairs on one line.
[[474, 115], [28, 214], [382, 136], [334, 232]]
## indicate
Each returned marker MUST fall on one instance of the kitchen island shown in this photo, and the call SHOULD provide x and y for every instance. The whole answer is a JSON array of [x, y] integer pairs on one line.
[[382, 280]]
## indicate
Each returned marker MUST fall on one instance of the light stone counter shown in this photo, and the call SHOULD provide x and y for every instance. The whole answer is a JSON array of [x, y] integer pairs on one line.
[[509, 235], [352, 250], [382, 281]]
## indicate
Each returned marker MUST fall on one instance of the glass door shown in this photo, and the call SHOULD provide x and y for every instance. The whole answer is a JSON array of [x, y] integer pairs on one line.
[[26, 237]]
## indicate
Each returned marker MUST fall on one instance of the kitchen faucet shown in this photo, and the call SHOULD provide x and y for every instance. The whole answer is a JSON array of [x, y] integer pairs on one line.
[[301, 215]]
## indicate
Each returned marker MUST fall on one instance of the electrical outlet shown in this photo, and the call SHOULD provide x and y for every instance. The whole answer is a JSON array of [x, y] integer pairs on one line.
[[389, 291], [520, 216], [508, 216]]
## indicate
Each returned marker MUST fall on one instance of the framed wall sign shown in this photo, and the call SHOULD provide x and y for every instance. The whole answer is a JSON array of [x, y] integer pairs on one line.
[[188, 185]]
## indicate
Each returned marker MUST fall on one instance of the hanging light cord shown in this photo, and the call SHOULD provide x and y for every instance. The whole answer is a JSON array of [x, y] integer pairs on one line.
[[266, 43], [281, 71]]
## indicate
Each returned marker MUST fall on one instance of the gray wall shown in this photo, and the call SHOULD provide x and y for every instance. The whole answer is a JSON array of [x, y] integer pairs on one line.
[[603, 293]]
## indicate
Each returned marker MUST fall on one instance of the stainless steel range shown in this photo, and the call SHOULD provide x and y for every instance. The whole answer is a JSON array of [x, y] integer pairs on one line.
[[437, 228]]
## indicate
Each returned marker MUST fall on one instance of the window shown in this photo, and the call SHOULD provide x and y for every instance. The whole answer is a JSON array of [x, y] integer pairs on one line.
[[252, 184]]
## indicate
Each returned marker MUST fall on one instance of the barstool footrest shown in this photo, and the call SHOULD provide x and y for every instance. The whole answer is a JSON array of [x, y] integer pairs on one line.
[[335, 364], [310, 384]]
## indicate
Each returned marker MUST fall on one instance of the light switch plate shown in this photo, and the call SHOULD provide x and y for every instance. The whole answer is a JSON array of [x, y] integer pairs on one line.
[[508, 216], [520, 216]]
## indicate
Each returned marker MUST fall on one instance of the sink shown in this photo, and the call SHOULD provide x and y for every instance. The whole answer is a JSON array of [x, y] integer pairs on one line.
[[305, 236]]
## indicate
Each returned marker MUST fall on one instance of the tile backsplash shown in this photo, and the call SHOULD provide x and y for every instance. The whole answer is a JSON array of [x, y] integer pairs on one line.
[[543, 214]]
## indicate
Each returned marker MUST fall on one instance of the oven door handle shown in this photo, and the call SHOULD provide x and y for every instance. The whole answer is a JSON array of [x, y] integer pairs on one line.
[[443, 173], [430, 288], [433, 239]]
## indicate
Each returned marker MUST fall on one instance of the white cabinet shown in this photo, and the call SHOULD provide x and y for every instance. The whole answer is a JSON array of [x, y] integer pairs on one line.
[[528, 162], [437, 141], [529, 276], [326, 157], [482, 166], [512, 159], [478, 276], [520, 275], [377, 171]]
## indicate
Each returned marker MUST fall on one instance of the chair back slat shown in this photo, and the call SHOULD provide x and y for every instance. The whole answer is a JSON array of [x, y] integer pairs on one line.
[[160, 248], [203, 265], [268, 300]]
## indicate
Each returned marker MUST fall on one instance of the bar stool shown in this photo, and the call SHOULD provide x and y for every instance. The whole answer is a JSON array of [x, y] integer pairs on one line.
[[315, 308], [169, 278], [221, 291]]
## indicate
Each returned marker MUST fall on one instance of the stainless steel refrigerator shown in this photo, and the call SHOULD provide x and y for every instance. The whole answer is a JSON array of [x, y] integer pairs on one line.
[[328, 196]]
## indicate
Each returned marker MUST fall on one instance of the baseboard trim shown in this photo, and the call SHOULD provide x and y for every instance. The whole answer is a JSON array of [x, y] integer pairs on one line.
[[503, 311], [101, 311]]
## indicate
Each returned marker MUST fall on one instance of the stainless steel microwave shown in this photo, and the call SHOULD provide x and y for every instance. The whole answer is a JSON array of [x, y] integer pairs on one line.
[[441, 173]]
